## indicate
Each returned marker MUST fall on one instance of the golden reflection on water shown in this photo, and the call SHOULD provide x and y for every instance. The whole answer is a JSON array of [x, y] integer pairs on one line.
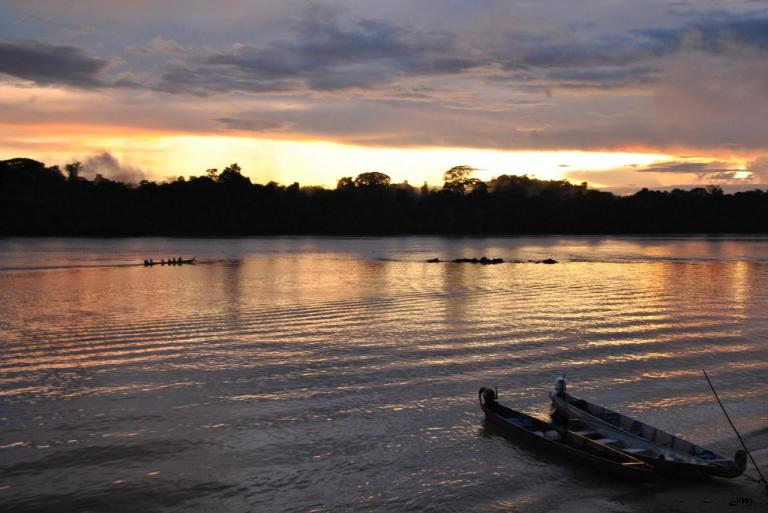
[[740, 286], [136, 311]]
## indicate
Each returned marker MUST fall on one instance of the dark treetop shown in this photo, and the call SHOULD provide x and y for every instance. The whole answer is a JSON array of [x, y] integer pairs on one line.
[[40, 200]]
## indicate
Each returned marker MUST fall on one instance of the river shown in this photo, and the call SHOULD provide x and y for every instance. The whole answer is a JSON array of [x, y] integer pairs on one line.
[[341, 374]]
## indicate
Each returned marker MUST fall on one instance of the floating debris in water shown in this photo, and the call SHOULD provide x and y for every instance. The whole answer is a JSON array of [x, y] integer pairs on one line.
[[482, 261], [489, 261]]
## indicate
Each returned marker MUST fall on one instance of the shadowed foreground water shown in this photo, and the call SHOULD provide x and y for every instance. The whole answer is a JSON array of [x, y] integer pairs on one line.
[[341, 374]]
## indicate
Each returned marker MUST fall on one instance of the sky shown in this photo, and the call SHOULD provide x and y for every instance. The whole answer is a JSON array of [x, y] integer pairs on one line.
[[621, 94]]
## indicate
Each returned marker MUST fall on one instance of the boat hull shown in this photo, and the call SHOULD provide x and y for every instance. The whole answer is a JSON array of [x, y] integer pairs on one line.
[[667, 453], [522, 429]]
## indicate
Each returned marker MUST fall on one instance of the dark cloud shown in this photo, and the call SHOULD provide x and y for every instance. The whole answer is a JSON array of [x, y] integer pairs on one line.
[[327, 50], [159, 46], [713, 171], [624, 59], [48, 64], [722, 175], [578, 61], [210, 79], [755, 171], [605, 50], [602, 77], [324, 54], [106, 165], [715, 32], [676, 166]]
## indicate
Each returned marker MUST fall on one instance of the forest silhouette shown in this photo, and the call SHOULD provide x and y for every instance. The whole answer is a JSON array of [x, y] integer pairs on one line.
[[40, 200]]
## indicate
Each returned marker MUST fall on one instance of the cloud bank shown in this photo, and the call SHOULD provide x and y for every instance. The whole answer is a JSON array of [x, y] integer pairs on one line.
[[679, 78], [48, 64]]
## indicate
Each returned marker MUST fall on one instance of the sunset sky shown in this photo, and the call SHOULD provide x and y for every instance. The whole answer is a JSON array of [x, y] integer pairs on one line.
[[621, 94]]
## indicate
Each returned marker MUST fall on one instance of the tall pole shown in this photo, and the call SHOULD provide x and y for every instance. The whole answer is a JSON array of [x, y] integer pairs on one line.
[[735, 430]]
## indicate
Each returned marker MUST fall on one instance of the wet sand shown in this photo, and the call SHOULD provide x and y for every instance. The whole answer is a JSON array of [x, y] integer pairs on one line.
[[744, 493]]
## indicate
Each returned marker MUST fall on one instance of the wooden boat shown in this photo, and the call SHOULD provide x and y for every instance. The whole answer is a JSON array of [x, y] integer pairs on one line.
[[538, 433], [150, 263], [667, 453]]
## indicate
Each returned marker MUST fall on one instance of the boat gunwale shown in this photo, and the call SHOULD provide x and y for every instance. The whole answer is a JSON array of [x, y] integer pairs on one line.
[[725, 467], [627, 465]]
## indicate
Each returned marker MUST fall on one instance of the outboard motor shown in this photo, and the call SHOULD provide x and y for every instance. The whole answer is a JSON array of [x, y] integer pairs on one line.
[[488, 396], [560, 385]]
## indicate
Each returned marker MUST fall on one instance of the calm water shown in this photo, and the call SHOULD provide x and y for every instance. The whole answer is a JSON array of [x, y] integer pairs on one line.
[[305, 374]]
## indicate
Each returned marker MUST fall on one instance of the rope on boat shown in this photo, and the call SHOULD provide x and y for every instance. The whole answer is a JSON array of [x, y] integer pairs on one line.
[[762, 478]]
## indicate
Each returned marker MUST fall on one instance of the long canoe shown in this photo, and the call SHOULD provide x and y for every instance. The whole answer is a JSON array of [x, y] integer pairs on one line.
[[543, 435], [150, 263], [667, 453]]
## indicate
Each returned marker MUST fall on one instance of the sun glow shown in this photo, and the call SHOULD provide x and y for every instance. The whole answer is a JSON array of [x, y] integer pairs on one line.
[[310, 162], [741, 175]]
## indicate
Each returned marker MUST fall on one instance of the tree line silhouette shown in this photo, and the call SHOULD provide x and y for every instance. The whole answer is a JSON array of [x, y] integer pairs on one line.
[[36, 199]]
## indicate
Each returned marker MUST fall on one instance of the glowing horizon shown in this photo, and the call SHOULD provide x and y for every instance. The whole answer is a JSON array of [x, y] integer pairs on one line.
[[323, 162]]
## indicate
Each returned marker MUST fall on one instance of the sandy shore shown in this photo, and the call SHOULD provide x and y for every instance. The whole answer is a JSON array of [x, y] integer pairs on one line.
[[744, 493]]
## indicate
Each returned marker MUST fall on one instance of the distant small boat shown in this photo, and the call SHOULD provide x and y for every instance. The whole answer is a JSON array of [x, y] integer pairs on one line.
[[572, 446], [667, 453], [150, 262]]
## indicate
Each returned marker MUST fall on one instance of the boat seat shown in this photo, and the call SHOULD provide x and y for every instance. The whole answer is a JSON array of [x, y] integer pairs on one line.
[[586, 432], [607, 441], [549, 434], [520, 421]]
